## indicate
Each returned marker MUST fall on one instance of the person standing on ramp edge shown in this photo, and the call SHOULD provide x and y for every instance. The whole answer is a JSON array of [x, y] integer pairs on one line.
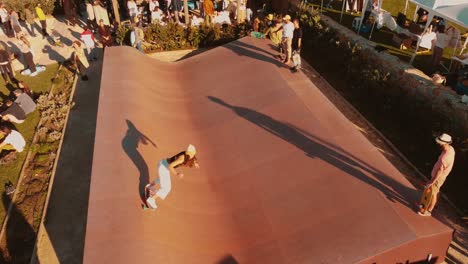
[[439, 173], [166, 167]]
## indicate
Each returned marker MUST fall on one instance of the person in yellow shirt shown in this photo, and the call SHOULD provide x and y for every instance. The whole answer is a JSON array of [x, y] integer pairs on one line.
[[42, 19]]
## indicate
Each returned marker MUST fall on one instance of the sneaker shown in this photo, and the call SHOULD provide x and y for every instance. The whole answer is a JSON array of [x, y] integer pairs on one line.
[[426, 213], [33, 74], [151, 203]]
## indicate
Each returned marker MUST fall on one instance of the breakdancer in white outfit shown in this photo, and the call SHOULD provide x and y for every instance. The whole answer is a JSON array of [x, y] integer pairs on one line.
[[166, 167]]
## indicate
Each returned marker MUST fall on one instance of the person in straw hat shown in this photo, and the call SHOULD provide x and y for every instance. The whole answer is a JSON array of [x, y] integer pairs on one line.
[[166, 167], [288, 32], [440, 171]]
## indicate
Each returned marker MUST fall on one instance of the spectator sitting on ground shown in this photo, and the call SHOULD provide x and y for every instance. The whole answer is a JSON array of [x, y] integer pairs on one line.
[[24, 101], [196, 21], [12, 140], [23, 86], [462, 82], [156, 14], [137, 36], [221, 18], [14, 113]]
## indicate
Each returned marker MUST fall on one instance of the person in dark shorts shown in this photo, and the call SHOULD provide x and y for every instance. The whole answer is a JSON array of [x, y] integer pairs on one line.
[[296, 46], [14, 113], [166, 167]]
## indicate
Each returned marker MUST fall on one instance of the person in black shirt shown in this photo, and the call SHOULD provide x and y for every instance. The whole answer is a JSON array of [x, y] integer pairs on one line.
[[166, 167], [296, 46], [14, 113]]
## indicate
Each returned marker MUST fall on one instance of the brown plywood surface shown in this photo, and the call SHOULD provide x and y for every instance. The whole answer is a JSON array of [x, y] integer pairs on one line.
[[284, 176]]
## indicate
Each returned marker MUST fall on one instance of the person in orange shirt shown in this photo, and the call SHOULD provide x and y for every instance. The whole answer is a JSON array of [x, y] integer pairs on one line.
[[208, 9], [440, 171]]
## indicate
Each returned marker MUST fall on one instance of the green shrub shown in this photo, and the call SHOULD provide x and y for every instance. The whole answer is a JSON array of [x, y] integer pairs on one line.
[[175, 37]]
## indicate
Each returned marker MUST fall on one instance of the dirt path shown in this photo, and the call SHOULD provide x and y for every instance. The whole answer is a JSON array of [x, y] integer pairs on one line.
[[457, 253], [65, 223]]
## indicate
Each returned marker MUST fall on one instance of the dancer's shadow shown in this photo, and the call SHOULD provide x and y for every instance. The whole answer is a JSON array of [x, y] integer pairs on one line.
[[315, 147], [130, 144]]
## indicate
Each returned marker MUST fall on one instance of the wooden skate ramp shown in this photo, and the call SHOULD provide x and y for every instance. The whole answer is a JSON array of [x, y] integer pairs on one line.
[[284, 176]]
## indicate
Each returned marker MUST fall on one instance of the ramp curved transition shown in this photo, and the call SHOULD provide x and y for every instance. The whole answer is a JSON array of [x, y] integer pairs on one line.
[[284, 176]]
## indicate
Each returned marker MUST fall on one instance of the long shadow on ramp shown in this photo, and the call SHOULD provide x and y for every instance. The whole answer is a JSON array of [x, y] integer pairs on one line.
[[130, 143], [317, 148]]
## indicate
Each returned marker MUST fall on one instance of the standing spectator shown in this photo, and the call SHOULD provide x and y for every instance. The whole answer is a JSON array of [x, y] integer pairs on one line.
[[25, 88], [286, 42], [14, 113], [5, 66], [25, 47], [87, 37], [176, 7], [80, 60], [12, 140], [137, 36], [100, 12], [15, 24], [208, 9], [5, 17], [30, 19], [90, 21], [24, 101], [440, 43], [69, 6], [296, 46], [440, 171], [132, 9], [42, 19], [202, 10], [104, 32], [275, 34]]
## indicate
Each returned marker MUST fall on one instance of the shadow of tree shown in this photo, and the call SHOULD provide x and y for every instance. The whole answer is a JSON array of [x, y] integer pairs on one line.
[[16, 247], [130, 143], [315, 147]]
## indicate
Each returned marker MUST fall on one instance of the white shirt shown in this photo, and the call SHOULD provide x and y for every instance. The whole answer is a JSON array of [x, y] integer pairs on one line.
[[288, 30], [132, 8], [16, 140], [152, 5]]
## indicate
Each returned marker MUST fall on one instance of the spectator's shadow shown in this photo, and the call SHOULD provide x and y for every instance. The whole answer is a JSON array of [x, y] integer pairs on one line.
[[53, 54], [315, 147], [130, 143], [244, 49]]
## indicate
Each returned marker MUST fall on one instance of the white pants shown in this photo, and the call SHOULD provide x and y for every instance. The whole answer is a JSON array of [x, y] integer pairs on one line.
[[164, 179]]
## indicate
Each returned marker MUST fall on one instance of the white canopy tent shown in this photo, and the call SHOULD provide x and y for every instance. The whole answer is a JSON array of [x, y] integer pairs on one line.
[[455, 11]]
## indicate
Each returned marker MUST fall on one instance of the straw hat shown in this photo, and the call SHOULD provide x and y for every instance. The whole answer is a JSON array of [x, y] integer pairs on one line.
[[287, 17], [444, 139], [270, 17]]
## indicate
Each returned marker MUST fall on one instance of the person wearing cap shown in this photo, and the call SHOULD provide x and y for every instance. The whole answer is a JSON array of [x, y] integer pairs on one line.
[[24, 101], [166, 168], [440, 171], [286, 42], [269, 21]]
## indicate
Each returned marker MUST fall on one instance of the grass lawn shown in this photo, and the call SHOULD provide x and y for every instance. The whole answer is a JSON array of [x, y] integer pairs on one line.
[[39, 84], [383, 37]]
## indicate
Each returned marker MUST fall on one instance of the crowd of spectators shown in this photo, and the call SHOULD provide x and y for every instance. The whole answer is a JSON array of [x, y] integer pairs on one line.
[[96, 30]]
